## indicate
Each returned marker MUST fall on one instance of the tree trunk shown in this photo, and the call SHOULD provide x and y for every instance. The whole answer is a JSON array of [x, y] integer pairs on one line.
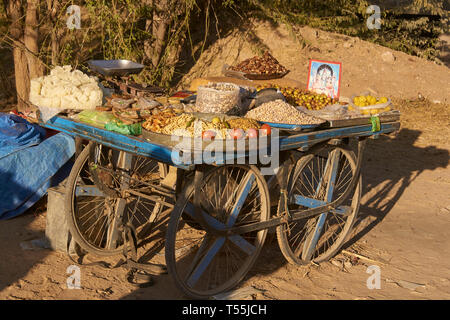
[[53, 7], [158, 26], [14, 11], [31, 34]]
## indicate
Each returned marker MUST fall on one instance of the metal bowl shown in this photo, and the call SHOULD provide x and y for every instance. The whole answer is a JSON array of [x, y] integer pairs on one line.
[[111, 68]]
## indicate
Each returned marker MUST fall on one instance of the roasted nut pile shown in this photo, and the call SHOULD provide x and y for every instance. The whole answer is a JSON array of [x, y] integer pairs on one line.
[[266, 64], [279, 111]]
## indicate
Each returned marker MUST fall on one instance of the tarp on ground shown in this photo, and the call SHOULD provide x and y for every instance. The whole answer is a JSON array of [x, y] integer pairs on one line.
[[17, 133], [29, 165]]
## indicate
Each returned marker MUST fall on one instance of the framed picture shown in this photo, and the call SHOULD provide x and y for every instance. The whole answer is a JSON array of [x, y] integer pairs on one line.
[[325, 77]]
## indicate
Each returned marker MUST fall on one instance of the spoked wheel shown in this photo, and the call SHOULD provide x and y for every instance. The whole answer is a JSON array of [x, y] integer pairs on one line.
[[99, 197], [317, 179], [204, 263]]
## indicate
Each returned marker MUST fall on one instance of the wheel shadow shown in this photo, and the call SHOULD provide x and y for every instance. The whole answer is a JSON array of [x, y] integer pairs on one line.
[[390, 165]]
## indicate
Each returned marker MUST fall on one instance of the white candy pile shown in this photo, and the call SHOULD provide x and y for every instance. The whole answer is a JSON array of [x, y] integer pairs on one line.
[[66, 89]]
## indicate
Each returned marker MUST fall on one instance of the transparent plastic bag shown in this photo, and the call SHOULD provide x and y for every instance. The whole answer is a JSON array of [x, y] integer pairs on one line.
[[96, 118], [372, 109], [331, 112], [211, 100]]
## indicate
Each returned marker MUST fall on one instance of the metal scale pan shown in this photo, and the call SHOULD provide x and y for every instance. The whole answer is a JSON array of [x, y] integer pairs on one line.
[[115, 68]]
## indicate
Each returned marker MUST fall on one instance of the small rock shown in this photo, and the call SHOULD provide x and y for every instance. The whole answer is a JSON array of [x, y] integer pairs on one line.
[[108, 291], [445, 210], [348, 264], [347, 44], [437, 101], [337, 263], [388, 57]]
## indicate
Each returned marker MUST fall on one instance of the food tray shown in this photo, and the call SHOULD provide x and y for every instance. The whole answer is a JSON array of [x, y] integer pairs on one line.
[[294, 127], [251, 76], [391, 116], [111, 68]]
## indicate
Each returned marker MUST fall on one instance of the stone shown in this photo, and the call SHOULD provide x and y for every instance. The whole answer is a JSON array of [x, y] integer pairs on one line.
[[388, 57], [347, 44], [348, 264]]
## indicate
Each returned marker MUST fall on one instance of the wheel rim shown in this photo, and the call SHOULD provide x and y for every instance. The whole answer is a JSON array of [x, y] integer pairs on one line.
[[94, 210], [323, 179], [206, 264]]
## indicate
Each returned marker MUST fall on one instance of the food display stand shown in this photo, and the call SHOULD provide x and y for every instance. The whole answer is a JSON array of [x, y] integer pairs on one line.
[[222, 205]]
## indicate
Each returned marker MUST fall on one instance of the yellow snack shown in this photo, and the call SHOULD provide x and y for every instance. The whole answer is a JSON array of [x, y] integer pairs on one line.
[[372, 100], [383, 99]]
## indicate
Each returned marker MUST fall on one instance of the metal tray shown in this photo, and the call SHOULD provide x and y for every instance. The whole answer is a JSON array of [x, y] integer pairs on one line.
[[111, 68], [227, 71], [294, 127], [391, 116]]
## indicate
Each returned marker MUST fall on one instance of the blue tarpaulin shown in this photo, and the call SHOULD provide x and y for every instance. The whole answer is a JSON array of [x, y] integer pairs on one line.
[[29, 165], [17, 133]]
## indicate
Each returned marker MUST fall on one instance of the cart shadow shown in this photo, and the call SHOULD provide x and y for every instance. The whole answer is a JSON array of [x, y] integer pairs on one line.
[[390, 165]]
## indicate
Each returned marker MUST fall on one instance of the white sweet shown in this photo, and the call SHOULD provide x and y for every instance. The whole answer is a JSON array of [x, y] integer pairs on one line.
[[66, 89]]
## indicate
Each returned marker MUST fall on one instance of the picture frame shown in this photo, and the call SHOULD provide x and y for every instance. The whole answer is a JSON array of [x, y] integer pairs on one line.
[[325, 77]]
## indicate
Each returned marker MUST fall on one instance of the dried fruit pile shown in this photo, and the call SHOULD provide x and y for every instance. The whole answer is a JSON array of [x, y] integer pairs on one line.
[[305, 98], [266, 64]]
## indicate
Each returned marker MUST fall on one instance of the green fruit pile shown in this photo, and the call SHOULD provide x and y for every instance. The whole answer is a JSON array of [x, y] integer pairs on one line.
[[301, 97]]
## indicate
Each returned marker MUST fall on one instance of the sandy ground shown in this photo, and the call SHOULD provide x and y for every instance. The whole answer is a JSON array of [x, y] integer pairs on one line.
[[402, 227]]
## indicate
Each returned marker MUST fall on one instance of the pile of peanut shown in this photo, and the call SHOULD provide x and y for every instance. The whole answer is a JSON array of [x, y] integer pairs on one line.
[[279, 111]]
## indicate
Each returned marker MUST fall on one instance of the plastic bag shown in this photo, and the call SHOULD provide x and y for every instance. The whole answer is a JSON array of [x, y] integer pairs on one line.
[[331, 112], [130, 129], [372, 109], [96, 118], [211, 100]]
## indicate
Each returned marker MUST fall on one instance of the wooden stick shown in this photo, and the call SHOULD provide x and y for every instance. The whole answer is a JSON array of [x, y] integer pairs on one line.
[[361, 257]]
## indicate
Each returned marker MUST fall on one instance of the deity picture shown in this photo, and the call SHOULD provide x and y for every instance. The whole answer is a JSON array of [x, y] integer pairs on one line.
[[324, 77]]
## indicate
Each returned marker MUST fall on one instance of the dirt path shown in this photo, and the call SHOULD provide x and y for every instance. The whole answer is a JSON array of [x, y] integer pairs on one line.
[[403, 223]]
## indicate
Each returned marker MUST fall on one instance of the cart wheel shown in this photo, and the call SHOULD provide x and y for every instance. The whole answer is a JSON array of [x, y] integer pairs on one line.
[[95, 207], [205, 263], [316, 180]]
